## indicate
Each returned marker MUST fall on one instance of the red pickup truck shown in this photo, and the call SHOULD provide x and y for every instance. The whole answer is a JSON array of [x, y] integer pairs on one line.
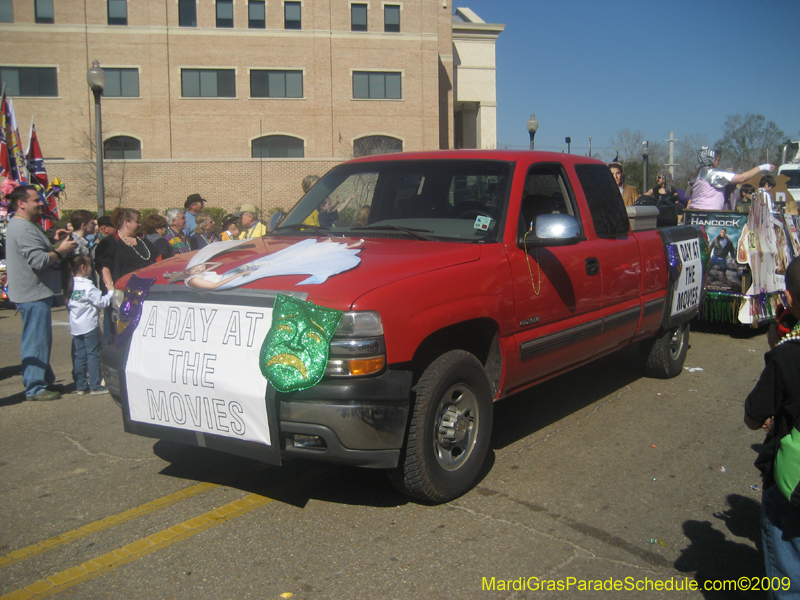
[[464, 277]]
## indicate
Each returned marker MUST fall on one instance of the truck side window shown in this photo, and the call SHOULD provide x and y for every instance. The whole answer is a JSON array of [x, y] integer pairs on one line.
[[605, 203], [545, 192]]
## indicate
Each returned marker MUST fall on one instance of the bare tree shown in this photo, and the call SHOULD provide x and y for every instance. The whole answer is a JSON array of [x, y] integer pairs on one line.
[[749, 140], [686, 157], [113, 173], [628, 143]]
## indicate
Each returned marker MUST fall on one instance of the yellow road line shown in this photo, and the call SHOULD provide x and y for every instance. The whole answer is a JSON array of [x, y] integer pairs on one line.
[[112, 521], [135, 550]]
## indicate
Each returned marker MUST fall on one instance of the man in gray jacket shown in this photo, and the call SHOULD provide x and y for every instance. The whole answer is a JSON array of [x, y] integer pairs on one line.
[[34, 278]]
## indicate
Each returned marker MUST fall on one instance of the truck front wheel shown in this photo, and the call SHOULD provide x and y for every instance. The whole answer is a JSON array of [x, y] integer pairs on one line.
[[449, 430], [666, 353]]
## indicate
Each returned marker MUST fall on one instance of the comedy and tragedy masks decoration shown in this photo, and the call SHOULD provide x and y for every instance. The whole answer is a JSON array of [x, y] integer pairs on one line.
[[294, 354]]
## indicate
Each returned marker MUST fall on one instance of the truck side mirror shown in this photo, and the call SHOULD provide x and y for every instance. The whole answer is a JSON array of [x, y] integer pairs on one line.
[[551, 230]]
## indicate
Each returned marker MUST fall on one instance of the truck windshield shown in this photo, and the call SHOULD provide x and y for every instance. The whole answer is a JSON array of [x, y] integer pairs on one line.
[[453, 200]]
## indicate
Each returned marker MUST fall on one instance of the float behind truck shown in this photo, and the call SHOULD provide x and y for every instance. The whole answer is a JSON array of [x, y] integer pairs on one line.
[[479, 274]]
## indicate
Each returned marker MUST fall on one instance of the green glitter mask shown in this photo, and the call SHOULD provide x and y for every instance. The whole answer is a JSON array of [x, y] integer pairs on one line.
[[295, 352]]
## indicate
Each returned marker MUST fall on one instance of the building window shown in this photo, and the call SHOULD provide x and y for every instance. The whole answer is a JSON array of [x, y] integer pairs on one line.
[[30, 81], [358, 17], [278, 146], [377, 86], [208, 83], [224, 13], [43, 10], [257, 14], [391, 18], [122, 147], [6, 11], [291, 15], [121, 83], [117, 12], [276, 84], [187, 13], [376, 144]]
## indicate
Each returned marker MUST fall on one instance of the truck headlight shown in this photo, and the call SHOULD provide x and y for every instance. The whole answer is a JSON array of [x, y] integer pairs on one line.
[[358, 347]]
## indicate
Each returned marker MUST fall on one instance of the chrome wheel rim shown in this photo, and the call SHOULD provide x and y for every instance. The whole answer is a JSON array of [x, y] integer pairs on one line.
[[676, 342], [456, 427]]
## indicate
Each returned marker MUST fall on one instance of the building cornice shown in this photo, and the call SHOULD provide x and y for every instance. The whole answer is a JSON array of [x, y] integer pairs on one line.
[[488, 31]]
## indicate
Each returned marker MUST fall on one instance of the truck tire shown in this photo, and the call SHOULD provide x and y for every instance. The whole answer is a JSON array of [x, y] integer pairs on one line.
[[666, 353], [449, 430]]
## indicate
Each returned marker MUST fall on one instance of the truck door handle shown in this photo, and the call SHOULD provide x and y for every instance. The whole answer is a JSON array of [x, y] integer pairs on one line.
[[592, 266]]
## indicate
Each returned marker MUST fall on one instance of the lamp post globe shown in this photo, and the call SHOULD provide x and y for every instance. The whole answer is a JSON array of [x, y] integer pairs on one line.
[[533, 125], [96, 78]]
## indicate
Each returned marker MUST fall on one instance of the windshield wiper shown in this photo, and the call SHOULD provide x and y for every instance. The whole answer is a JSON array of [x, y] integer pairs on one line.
[[407, 230], [302, 226]]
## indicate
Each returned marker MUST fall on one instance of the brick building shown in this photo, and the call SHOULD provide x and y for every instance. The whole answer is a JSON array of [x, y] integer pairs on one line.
[[240, 99]]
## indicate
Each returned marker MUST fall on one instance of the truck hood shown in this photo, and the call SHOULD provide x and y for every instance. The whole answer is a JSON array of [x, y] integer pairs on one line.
[[382, 261]]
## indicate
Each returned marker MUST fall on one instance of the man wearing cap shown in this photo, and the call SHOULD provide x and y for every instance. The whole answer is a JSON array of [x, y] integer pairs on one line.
[[104, 228], [230, 228], [194, 206], [251, 226]]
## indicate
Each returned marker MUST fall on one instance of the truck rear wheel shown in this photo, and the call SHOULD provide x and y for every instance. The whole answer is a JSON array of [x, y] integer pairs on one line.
[[449, 430], [666, 353]]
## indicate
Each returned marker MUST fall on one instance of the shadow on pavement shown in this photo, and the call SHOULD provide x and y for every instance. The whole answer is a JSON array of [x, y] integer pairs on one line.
[[10, 371], [529, 411], [736, 331], [295, 482], [17, 398], [712, 557]]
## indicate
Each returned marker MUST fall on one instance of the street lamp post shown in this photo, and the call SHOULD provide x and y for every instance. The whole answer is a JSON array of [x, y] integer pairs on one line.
[[645, 164], [533, 125], [96, 77]]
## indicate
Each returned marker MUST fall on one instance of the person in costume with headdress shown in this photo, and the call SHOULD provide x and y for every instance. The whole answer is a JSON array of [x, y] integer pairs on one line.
[[664, 189], [708, 185]]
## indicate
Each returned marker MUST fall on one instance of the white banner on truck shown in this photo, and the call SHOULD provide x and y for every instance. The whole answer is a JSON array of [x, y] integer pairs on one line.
[[195, 367], [687, 289]]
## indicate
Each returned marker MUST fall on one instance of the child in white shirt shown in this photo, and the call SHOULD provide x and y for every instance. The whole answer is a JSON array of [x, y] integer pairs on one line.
[[84, 304]]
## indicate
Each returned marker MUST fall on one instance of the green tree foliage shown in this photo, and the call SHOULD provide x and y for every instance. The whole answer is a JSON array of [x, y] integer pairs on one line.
[[216, 213], [749, 140], [146, 212], [634, 174]]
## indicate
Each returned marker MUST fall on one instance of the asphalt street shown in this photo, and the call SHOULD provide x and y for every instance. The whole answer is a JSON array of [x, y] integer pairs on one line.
[[600, 475]]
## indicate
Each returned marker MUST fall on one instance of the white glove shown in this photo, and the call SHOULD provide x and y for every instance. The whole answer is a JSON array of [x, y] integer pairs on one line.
[[767, 167]]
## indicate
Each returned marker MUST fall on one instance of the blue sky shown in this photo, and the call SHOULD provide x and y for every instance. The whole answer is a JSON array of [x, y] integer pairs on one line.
[[592, 68]]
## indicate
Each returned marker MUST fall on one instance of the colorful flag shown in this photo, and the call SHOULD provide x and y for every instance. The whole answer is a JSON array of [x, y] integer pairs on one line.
[[38, 176], [36, 170], [13, 161], [5, 163]]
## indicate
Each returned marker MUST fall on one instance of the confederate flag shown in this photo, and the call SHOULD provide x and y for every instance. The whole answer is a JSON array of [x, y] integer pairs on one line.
[[36, 169], [12, 161]]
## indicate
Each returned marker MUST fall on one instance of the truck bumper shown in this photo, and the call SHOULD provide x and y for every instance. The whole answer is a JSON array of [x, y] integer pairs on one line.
[[358, 422]]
